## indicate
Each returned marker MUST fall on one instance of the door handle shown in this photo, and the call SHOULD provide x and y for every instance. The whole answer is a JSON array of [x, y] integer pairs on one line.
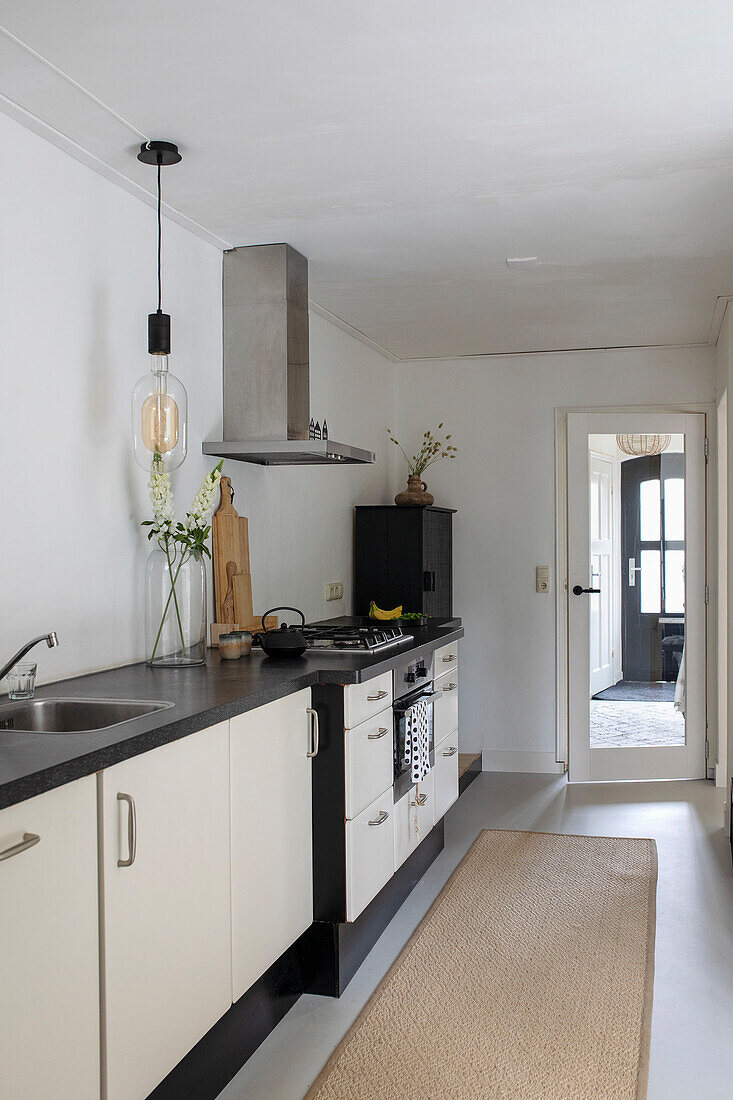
[[633, 570], [379, 695], [315, 732], [383, 815], [131, 830], [578, 590], [376, 736], [29, 839], [420, 800], [451, 751]]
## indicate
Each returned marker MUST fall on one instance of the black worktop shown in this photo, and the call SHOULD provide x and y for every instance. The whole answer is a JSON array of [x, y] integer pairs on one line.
[[31, 763]]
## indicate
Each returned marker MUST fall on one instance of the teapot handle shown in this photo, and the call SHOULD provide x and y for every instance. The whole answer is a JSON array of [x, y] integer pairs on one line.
[[283, 608]]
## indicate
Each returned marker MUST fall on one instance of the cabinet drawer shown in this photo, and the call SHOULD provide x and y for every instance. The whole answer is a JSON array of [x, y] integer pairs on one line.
[[405, 837], [423, 799], [446, 775], [445, 658], [369, 763], [445, 712], [369, 853], [363, 701]]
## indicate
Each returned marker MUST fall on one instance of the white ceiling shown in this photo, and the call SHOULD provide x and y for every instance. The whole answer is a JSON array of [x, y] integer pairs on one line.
[[407, 147]]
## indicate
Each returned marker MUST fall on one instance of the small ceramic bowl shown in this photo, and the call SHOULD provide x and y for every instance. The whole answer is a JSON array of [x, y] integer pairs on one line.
[[230, 646], [245, 637]]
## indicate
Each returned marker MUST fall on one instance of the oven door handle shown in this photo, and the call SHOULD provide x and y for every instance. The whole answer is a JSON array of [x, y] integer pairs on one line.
[[427, 696]]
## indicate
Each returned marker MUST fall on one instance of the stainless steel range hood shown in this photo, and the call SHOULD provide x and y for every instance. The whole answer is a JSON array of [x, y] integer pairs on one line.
[[266, 363]]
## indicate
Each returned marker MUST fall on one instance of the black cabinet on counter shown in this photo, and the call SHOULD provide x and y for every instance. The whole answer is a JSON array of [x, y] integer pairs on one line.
[[404, 556]]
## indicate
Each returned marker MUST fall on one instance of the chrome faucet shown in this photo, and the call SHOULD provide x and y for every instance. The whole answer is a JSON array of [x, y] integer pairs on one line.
[[51, 640]]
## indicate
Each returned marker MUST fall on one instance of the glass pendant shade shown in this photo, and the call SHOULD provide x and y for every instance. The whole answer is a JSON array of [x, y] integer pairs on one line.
[[159, 416]]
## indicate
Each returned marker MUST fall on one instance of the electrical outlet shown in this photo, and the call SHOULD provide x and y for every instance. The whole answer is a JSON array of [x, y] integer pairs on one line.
[[334, 590], [542, 579]]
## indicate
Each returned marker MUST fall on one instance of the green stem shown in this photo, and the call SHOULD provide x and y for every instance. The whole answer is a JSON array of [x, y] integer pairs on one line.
[[165, 612], [175, 596]]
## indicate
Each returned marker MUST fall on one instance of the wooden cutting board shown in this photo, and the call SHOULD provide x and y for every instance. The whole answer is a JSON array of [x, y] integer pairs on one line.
[[230, 542]]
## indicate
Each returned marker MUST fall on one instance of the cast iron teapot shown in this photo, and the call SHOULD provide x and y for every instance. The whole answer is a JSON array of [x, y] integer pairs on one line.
[[284, 641]]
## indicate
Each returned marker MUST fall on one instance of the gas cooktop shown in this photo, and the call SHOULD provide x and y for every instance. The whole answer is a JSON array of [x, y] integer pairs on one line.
[[356, 639]]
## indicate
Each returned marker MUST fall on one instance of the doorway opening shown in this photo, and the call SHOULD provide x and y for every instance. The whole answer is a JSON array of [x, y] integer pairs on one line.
[[636, 595], [637, 628]]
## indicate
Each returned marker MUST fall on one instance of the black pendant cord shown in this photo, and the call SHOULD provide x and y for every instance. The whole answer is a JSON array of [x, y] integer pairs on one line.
[[160, 154], [160, 241]]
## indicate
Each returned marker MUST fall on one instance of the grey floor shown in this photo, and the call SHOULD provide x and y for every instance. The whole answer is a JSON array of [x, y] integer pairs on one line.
[[692, 1026]]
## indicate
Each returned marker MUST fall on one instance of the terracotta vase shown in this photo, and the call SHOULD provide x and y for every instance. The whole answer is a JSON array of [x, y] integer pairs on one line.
[[416, 494]]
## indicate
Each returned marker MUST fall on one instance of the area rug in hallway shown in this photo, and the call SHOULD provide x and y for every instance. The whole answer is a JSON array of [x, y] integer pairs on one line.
[[530, 977]]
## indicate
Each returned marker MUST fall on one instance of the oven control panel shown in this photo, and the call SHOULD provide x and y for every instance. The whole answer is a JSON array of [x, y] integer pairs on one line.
[[412, 674]]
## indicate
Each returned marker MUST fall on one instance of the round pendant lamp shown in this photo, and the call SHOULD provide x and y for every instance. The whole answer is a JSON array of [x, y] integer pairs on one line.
[[640, 445], [159, 401]]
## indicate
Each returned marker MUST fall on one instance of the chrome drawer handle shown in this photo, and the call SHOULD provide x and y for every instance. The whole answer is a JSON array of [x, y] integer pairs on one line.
[[449, 659], [315, 732], [28, 841], [452, 751], [131, 831], [379, 695], [376, 736], [420, 800], [383, 815], [450, 687]]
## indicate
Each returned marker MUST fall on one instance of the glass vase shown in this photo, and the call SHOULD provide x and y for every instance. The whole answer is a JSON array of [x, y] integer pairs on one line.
[[175, 609]]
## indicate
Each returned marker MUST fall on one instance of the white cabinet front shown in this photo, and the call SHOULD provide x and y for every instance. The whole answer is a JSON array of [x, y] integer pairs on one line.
[[363, 701], [446, 659], [369, 853], [49, 948], [272, 846], [369, 761], [445, 712], [166, 906], [446, 775]]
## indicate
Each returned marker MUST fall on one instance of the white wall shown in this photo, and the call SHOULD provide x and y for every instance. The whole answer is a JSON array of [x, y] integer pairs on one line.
[[724, 402], [501, 413], [77, 281]]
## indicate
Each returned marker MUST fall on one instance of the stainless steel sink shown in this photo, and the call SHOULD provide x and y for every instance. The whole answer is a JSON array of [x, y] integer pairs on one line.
[[73, 715]]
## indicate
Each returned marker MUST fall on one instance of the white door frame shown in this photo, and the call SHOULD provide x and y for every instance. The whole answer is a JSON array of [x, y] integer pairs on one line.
[[561, 565]]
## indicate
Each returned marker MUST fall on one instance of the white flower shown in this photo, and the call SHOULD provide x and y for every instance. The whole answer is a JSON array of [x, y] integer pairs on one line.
[[161, 495], [203, 502]]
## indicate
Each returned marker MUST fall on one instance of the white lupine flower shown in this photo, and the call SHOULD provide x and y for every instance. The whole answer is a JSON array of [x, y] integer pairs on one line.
[[161, 495], [203, 502]]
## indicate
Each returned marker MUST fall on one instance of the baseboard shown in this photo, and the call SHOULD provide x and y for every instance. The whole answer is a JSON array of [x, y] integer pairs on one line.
[[516, 760]]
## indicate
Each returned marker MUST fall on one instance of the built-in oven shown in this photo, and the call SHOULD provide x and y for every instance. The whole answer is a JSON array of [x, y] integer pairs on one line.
[[413, 684]]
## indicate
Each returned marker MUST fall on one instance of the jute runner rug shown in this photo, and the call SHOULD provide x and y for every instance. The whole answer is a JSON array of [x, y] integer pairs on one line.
[[530, 977]]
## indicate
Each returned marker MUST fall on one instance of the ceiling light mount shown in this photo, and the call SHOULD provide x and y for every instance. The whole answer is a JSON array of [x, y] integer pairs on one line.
[[159, 152]]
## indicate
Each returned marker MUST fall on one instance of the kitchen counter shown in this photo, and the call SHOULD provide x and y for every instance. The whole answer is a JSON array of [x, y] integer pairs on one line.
[[31, 763]]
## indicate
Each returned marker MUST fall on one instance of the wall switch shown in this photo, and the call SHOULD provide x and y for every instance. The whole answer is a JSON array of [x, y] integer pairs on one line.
[[334, 590], [543, 578]]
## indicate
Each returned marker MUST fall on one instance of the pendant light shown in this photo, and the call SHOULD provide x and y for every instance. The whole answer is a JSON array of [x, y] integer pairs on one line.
[[159, 402], [639, 445]]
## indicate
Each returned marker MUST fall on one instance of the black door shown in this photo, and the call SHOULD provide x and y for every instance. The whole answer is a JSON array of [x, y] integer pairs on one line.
[[437, 564], [652, 572]]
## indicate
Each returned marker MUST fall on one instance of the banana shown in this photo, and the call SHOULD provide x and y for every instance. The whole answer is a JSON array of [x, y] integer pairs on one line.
[[377, 612]]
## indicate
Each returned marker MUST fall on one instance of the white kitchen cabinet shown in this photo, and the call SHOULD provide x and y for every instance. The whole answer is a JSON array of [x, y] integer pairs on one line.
[[405, 834], [446, 659], [369, 761], [49, 948], [272, 845], [165, 852], [446, 774], [445, 711], [363, 701], [369, 854]]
